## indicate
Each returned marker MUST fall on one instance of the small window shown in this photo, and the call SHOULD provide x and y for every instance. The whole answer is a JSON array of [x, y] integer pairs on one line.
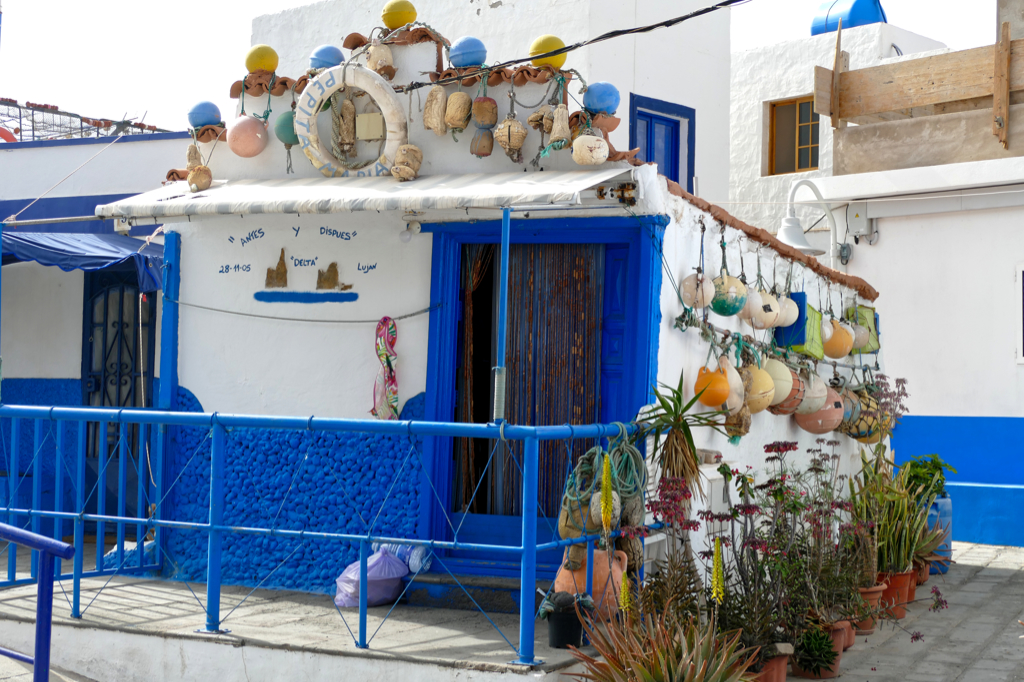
[[794, 136]]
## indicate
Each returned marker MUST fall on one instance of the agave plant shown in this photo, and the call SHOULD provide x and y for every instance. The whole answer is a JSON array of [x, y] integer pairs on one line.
[[671, 422], [653, 648]]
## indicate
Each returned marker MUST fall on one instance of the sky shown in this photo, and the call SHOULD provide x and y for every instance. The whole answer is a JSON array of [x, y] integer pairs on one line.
[[155, 59]]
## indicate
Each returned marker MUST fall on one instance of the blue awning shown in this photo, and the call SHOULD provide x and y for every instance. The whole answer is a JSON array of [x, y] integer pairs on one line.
[[70, 251]]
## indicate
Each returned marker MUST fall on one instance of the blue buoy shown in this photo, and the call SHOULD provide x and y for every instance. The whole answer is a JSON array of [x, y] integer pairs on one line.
[[852, 12], [601, 98], [204, 114], [325, 57], [467, 51]]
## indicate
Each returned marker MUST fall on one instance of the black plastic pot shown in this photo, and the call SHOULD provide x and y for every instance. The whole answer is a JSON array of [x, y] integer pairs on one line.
[[564, 629]]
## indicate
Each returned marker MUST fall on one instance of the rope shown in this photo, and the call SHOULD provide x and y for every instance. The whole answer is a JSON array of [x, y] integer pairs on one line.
[[629, 475], [301, 319]]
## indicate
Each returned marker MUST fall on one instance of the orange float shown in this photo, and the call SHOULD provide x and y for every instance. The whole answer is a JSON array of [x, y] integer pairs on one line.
[[715, 386]]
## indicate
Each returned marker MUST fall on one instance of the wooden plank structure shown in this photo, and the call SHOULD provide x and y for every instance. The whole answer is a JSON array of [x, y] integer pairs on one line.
[[966, 80]]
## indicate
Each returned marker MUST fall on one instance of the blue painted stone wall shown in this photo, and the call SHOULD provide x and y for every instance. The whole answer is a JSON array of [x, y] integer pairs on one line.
[[49, 392], [330, 482], [988, 488]]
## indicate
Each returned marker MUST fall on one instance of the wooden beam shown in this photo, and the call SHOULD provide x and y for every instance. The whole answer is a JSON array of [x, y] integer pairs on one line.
[[1001, 87], [822, 91], [837, 70]]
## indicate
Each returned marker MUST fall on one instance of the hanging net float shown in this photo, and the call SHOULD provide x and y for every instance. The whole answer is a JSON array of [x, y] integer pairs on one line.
[[792, 401], [866, 428]]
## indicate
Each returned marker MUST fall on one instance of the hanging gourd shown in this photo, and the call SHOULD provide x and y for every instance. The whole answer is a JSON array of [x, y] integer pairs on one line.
[[467, 51], [590, 149], [762, 390], [825, 419], [544, 44], [408, 159], [767, 314], [261, 58], [458, 112], [734, 402], [380, 60], [795, 397], [841, 342], [510, 134], [714, 384], [203, 114], [698, 291], [247, 136], [789, 312], [325, 57], [485, 116], [601, 98], [398, 13], [752, 305], [814, 396], [782, 380], [434, 110]]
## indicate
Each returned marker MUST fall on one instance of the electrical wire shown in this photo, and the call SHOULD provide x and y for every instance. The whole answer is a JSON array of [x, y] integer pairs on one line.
[[483, 71]]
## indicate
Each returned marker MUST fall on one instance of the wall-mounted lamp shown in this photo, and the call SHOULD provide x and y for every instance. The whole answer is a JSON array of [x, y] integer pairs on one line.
[[792, 232], [412, 226]]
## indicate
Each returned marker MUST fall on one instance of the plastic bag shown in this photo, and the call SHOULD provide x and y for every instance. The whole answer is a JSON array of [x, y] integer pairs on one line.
[[384, 573], [416, 557]]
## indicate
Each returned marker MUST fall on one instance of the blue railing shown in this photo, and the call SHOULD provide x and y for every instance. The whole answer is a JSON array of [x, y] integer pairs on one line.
[[152, 428], [47, 549]]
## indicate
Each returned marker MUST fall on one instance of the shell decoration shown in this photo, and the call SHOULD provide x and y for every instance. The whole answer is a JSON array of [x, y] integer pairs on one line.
[[434, 110], [408, 159]]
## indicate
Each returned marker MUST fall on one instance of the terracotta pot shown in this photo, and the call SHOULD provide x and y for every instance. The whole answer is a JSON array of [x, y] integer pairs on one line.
[[912, 587], [774, 670], [871, 595], [838, 635], [851, 637], [897, 594], [923, 573], [606, 589]]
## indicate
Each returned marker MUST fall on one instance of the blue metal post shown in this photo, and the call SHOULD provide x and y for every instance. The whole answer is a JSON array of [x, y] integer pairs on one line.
[[499, 370], [37, 486], [58, 490], [528, 578], [590, 568], [216, 519], [76, 596], [101, 492], [122, 489], [158, 493], [140, 502], [44, 616], [364, 554], [169, 322], [12, 487]]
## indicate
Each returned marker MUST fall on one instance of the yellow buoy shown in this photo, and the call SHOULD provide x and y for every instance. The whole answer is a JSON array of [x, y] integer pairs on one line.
[[261, 58], [548, 43], [762, 390], [398, 13], [841, 342]]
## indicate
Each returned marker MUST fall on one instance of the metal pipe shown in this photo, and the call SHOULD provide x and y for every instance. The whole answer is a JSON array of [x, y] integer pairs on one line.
[[34, 541], [51, 221], [364, 555], [499, 370], [12, 493], [44, 616], [833, 255], [37, 487], [76, 592], [528, 578], [216, 518]]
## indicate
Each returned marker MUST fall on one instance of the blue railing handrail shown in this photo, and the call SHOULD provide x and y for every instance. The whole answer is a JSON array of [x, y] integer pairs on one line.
[[41, 543], [313, 423]]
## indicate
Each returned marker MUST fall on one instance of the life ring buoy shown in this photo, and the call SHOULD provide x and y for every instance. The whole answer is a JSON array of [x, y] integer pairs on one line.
[[320, 89], [7, 136]]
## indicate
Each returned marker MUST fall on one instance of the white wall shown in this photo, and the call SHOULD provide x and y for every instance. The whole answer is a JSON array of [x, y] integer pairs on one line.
[[785, 71], [41, 329], [237, 363], [950, 308]]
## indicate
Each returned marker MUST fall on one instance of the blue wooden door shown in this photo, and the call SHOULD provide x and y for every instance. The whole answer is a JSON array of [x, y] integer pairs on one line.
[[659, 141]]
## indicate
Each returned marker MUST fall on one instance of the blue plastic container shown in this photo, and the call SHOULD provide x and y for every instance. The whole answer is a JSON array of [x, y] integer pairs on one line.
[[852, 12], [942, 512], [203, 114], [467, 51]]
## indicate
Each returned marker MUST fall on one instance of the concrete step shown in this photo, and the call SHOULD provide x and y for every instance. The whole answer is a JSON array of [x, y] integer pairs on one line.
[[16, 671]]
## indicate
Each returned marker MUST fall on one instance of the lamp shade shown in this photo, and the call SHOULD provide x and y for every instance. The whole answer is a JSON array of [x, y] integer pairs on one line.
[[792, 234]]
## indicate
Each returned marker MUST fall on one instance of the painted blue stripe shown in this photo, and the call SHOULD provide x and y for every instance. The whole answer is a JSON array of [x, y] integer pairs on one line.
[[983, 485], [150, 137], [305, 297]]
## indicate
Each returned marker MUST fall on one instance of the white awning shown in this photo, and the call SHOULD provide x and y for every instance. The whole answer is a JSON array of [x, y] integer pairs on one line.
[[338, 195]]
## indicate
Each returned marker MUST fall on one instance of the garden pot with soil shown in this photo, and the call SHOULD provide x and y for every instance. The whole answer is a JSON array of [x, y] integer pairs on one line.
[[897, 593], [838, 635]]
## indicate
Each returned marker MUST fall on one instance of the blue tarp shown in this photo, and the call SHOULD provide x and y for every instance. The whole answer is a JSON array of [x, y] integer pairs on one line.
[[87, 252]]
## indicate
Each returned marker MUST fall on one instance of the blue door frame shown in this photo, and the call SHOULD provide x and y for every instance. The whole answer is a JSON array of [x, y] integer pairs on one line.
[[643, 237], [666, 111]]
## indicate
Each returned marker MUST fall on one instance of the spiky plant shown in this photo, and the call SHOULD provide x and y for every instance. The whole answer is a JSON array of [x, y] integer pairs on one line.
[[672, 586], [607, 503], [656, 648], [814, 651]]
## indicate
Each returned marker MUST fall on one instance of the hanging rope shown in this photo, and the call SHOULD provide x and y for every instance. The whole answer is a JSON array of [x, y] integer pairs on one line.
[[629, 475]]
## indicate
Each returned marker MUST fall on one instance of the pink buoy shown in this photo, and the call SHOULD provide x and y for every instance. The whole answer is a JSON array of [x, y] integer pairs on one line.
[[247, 136]]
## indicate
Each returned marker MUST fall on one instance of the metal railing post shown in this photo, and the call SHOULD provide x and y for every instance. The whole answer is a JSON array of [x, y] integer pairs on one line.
[[216, 519], [58, 491], [364, 554], [44, 616], [528, 578], [12, 487], [590, 567], [76, 596], [37, 487]]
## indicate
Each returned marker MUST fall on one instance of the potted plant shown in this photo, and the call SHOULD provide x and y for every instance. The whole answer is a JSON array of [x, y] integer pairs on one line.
[[898, 530], [562, 611], [817, 654], [929, 473]]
